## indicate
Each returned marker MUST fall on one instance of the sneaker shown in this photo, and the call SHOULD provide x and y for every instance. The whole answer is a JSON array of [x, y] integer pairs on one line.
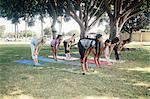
[[37, 64], [83, 73]]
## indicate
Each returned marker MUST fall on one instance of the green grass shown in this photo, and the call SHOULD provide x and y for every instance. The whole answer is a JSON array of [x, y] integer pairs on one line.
[[129, 80]]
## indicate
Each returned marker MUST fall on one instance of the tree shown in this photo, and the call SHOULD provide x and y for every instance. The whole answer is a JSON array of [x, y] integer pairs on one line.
[[119, 11], [2, 30], [27, 33], [47, 31], [70, 33], [136, 23], [89, 12]]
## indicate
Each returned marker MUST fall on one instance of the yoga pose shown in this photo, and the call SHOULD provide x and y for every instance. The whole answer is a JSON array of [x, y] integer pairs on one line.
[[36, 44], [55, 45], [117, 46], [87, 45], [67, 45]]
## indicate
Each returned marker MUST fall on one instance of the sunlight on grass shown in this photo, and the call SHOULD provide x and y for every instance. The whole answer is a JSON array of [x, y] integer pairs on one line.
[[142, 84], [122, 80], [144, 69], [18, 97], [17, 92], [96, 97]]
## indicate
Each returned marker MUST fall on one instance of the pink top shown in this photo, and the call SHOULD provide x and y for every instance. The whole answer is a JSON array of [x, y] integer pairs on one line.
[[54, 42]]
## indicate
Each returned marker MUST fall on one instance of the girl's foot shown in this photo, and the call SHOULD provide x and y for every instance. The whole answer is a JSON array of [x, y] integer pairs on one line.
[[36, 64]]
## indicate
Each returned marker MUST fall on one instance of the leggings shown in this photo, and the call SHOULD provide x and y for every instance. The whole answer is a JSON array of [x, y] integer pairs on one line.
[[66, 46], [81, 51]]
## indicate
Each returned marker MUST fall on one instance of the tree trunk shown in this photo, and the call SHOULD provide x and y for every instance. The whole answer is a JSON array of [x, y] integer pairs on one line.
[[16, 34], [26, 24], [112, 30], [115, 29], [60, 24], [83, 32], [53, 27], [42, 32]]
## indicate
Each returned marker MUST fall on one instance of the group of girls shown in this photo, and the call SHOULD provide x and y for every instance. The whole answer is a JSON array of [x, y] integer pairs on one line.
[[37, 43], [67, 45], [96, 46]]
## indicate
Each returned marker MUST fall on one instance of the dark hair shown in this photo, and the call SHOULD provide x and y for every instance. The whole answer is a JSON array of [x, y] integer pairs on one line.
[[115, 40], [98, 36], [73, 34], [107, 41], [59, 36], [126, 41]]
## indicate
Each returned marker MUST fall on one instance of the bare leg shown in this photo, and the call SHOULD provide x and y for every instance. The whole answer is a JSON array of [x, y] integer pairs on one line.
[[69, 55], [83, 68], [86, 66], [35, 60], [55, 54], [85, 59]]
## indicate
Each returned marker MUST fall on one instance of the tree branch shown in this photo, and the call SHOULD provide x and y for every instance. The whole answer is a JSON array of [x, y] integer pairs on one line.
[[98, 17], [96, 10]]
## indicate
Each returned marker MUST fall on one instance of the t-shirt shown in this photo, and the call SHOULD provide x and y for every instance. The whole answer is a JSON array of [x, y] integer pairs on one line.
[[34, 41], [54, 42], [87, 43]]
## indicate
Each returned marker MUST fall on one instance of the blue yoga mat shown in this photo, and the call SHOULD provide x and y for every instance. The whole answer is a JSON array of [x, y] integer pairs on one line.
[[28, 62], [44, 59], [41, 58], [49, 60]]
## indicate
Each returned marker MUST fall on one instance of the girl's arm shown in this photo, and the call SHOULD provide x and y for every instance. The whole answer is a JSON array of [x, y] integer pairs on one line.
[[36, 50], [111, 49]]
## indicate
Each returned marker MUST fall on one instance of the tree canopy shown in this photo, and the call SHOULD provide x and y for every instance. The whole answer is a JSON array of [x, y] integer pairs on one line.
[[85, 12]]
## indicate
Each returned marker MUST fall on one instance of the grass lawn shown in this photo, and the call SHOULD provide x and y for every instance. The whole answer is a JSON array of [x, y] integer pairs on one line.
[[129, 80]]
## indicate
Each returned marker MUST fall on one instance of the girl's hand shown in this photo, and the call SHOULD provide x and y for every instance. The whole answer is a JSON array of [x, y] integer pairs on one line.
[[35, 52]]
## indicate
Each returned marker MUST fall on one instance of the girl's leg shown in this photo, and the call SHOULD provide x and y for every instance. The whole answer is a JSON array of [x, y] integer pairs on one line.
[[86, 57], [55, 54], [65, 48], [83, 68], [117, 54], [81, 52], [35, 60]]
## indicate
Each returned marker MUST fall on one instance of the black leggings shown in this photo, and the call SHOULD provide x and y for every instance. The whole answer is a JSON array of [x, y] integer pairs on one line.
[[66, 47], [117, 56], [81, 50]]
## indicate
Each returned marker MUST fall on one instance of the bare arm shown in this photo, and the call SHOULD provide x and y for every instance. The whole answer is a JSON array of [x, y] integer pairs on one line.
[[111, 49]]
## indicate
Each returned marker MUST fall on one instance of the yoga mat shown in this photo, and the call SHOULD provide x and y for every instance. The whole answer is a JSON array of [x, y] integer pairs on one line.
[[64, 58], [78, 64], [101, 62], [48, 59], [28, 62]]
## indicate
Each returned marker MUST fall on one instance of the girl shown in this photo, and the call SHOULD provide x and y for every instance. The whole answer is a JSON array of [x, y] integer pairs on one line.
[[36, 44], [87, 45], [55, 44], [106, 50], [67, 45]]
